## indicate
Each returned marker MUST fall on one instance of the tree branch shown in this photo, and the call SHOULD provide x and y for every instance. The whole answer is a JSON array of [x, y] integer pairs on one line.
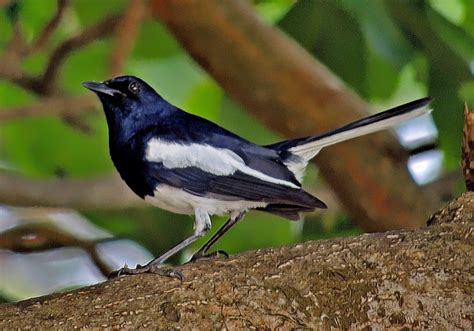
[[47, 236], [126, 34], [400, 279], [98, 193], [105, 27], [108, 192], [71, 105], [10, 60], [17, 190], [49, 29], [45, 85], [292, 93]]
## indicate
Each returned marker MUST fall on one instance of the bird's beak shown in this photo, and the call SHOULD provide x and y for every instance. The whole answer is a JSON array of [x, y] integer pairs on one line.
[[101, 88]]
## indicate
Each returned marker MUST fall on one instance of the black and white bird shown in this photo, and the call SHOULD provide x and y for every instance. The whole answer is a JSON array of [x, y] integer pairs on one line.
[[188, 165]]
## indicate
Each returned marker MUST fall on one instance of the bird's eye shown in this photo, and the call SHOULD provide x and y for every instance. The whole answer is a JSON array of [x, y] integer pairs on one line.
[[134, 88]]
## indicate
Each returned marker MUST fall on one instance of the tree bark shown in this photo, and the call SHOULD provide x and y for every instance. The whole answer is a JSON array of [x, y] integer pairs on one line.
[[467, 149], [420, 279], [294, 94]]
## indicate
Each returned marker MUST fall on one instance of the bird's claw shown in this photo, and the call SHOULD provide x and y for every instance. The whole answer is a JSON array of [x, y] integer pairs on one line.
[[212, 255], [153, 269]]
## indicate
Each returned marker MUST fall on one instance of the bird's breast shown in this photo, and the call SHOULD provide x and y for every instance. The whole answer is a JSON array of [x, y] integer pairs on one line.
[[179, 201]]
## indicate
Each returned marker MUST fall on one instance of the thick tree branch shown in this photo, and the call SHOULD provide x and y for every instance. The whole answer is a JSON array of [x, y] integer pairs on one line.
[[288, 90], [400, 279]]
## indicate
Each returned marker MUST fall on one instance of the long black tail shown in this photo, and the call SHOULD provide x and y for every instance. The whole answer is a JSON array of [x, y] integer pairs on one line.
[[307, 147]]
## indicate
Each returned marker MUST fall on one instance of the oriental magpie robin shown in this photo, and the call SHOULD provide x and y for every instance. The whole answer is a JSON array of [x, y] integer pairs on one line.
[[188, 165]]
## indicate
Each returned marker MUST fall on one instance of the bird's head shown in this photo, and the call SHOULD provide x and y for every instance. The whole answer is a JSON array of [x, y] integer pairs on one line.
[[124, 97]]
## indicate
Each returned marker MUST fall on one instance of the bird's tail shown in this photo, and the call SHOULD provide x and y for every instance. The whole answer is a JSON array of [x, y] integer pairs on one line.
[[297, 152]]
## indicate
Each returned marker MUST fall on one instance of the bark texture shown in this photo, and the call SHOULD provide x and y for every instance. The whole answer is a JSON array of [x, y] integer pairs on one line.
[[420, 279], [467, 149], [291, 92]]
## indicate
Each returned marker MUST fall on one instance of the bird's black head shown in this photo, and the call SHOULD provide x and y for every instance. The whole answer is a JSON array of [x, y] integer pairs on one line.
[[125, 97]]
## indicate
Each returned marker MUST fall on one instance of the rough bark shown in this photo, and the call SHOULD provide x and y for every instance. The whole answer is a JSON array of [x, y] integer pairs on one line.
[[420, 279], [294, 94], [467, 149]]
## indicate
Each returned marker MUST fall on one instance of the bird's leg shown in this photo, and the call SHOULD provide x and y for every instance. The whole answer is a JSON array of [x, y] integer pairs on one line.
[[202, 253], [202, 225]]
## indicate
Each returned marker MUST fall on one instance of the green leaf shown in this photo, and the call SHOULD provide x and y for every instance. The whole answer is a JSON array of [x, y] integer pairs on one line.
[[455, 36], [244, 124], [35, 64], [468, 21], [6, 29], [466, 93], [302, 23], [46, 146], [35, 15], [174, 78], [447, 72], [90, 63], [382, 78], [272, 11], [53, 147], [11, 95], [333, 36], [155, 42], [205, 100], [382, 35], [12, 11], [451, 10], [448, 113], [409, 87], [92, 11]]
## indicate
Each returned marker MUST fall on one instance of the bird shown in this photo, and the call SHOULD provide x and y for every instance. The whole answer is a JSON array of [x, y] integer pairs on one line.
[[186, 164]]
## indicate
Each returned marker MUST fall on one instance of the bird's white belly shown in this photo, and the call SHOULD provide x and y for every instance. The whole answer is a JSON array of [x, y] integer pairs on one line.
[[181, 202]]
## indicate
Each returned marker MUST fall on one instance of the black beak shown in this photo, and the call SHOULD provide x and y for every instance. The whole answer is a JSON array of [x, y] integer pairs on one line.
[[101, 88]]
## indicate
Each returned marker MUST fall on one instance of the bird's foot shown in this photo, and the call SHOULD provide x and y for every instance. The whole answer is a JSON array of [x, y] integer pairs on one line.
[[203, 255], [149, 268]]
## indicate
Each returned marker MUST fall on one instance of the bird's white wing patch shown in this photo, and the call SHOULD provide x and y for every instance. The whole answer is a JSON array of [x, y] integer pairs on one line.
[[217, 161]]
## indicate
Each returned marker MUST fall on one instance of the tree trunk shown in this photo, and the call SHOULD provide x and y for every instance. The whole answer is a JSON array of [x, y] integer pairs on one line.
[[420, 278], [294, 94]]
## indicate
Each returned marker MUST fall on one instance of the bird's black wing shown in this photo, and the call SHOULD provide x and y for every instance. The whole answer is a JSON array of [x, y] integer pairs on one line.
[[238, 186], [185, 128]]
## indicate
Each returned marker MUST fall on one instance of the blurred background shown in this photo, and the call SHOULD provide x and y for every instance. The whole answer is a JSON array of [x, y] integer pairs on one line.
[[67, 220]]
